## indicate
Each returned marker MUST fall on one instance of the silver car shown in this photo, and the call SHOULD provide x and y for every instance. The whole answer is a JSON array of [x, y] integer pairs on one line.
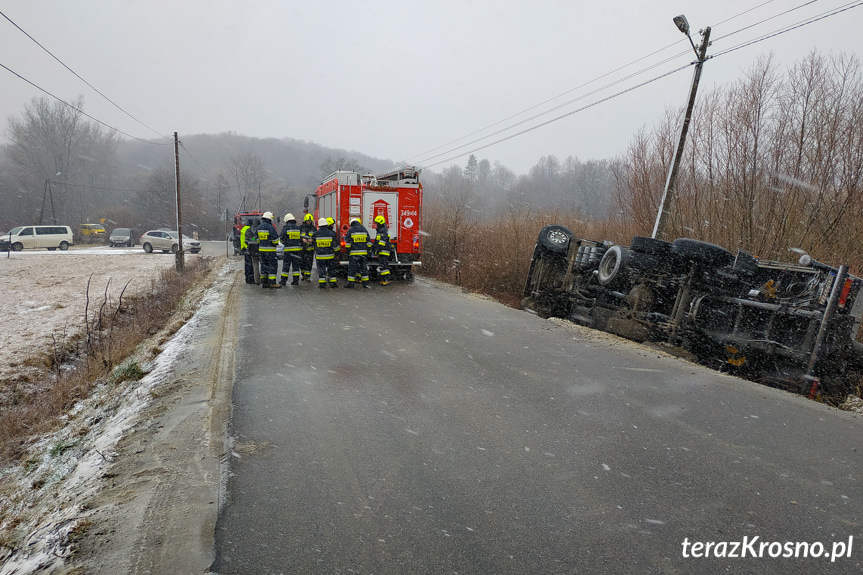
[[167, 242], [122, 237]]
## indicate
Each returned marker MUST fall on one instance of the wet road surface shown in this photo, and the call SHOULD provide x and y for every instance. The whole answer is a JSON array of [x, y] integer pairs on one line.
[[416, 429]]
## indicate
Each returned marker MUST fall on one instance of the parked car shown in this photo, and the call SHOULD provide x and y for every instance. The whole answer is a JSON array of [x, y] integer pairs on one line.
[[167, 242], [34, 237], [122, 237], [92, 232]]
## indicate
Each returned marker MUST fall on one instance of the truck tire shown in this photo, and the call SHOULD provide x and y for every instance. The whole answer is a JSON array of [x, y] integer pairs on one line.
[[611, 264], [702, 252], [555, 238], [650, 246]]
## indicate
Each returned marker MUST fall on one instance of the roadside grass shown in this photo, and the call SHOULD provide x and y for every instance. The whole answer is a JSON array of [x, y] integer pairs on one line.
[[494, 257], [112, 330]]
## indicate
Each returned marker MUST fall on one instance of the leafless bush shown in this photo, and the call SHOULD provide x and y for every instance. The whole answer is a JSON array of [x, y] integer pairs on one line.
[[771, 163]]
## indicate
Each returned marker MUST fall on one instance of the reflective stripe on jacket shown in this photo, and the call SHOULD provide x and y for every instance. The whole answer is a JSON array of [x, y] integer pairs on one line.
[[307, 230], [326, 243], [243, 244], [357, 240], [268, 237], [292, 237], [382, 240]]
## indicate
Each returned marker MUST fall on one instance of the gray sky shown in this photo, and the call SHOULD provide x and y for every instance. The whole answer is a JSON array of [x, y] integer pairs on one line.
[[395, 79]]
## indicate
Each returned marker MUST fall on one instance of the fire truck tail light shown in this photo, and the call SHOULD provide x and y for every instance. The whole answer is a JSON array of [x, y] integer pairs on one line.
[[416, 243]]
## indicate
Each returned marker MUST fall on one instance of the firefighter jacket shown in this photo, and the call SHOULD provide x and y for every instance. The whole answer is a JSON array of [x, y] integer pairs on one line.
[[307, 230], [357, 240], [326, 243], [243, 245], [382, 241], [250, 237], [292, 237], [268, 237]]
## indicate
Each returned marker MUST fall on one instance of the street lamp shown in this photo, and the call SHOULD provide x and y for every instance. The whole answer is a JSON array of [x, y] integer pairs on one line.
[[667, 202]]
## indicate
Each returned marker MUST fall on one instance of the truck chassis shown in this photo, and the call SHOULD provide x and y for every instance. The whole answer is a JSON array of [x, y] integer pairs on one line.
[[794, 326]]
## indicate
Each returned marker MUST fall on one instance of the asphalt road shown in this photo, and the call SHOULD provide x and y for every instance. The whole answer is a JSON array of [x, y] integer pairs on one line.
[[416, 429]]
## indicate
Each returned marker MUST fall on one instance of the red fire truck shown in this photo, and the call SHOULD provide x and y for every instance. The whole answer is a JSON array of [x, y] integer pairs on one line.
[[396, 195], [242, 219]]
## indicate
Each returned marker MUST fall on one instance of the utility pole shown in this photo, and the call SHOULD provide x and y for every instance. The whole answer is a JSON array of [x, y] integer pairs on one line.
[[666, 205], [179, 256]]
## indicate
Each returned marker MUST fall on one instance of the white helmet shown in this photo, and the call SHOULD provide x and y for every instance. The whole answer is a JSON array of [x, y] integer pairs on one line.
[[268, 215], [357, 220], [289, 217], [322, 222]]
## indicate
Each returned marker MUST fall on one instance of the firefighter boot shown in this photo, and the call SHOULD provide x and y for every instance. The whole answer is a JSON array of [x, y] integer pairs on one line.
[[334, 284], [283, 282], [366, 284], [265, 283], [296, 281], [275, 285], [349, 285]]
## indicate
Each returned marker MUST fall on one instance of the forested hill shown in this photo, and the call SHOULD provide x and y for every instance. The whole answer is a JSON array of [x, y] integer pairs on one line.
[[295, 163]]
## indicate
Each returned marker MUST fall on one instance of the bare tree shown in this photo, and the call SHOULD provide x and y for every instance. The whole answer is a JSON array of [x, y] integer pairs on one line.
[[249, 173], [53, 141]]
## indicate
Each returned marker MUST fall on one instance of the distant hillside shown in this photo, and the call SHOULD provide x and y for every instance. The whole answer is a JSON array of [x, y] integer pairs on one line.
[[288, 162]]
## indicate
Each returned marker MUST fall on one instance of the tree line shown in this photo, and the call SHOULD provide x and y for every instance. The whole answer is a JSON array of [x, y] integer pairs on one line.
[[773, 165], [773, 162]]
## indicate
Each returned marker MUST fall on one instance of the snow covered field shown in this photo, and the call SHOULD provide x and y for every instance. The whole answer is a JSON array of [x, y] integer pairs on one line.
[[63, 496], [44, 295]]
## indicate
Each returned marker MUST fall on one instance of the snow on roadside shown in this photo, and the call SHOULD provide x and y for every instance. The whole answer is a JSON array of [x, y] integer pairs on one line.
[[61, 471]]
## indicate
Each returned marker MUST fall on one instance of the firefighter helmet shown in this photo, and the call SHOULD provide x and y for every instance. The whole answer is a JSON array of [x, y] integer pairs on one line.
[[290, 218], [267, 215], [309, 217], [330, 221], [380, 220], [357, 220], [322, 222]]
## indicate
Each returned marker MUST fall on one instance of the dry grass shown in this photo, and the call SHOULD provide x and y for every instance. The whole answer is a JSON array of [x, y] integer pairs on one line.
[[112, 331], [496, 259]]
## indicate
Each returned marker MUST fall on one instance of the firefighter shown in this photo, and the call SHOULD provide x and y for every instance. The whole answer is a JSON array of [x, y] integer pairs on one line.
[[268, 239], [250, 237], [247, 257], [307, 257], [357, 245], [326, 246], [382, 246], [291, 238]]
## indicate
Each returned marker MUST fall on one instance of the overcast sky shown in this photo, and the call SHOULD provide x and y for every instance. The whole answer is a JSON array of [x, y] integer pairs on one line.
[[396, 79]]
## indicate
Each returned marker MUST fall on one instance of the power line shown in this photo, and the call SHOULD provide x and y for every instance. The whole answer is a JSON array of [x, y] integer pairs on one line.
[[559, 106], [422, 157], [771, 35], [78, 109], [790, 27], [182, 145], [546, 102], [80, 78], [592, 104]]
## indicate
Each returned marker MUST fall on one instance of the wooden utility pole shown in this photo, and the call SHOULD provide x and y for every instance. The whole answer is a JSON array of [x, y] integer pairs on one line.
[[666, 205], [180, 261]]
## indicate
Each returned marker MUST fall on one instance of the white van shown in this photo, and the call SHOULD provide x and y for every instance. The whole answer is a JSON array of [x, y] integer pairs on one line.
[[35, 237]]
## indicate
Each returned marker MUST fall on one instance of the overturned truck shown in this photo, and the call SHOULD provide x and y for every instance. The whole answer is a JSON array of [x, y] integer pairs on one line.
[[794, 326]]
